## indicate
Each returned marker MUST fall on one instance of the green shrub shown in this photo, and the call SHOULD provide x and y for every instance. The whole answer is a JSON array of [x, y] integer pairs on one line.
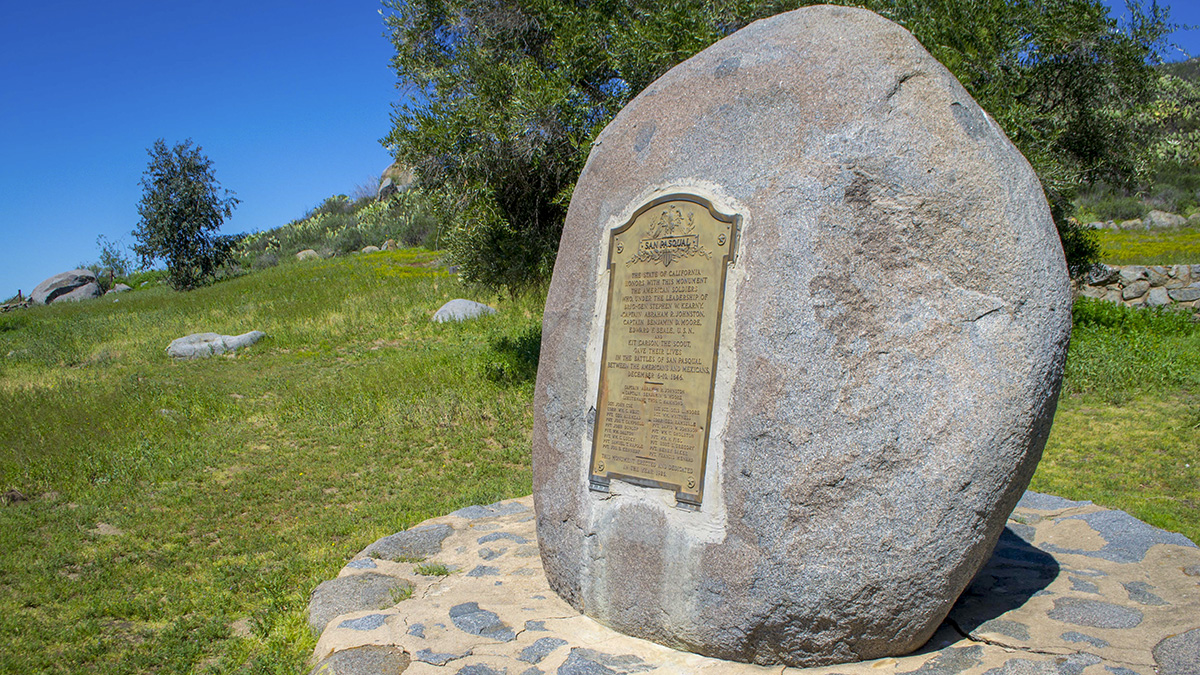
[[515, 358], [136, 279], [182, 208], [1119, 208], [1121, 350], [1122, 319]]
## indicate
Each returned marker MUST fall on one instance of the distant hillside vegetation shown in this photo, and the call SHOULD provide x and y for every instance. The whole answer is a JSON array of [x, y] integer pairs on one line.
[[1185, 70], [344, 225], [1170, 175]]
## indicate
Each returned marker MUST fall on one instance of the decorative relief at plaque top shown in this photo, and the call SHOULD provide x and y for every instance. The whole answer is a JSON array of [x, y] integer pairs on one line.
[[667, 271], [671, 236]]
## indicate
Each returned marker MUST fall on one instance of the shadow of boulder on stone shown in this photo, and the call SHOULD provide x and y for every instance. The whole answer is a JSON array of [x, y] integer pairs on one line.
[[1016, 572]]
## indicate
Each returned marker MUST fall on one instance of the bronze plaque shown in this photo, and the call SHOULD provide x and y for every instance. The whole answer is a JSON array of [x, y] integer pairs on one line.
[[665, 295]]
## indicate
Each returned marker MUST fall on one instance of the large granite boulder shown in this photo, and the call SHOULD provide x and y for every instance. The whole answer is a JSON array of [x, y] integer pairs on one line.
[[894, 332], [1164, 220], [204, 345], [395, 179], [70, 286]]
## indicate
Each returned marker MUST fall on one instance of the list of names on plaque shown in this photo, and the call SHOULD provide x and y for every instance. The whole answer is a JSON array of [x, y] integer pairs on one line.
[[666, 289]]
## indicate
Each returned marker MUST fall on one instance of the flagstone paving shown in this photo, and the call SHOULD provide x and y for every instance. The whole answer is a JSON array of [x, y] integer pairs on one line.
[[1072, 589]]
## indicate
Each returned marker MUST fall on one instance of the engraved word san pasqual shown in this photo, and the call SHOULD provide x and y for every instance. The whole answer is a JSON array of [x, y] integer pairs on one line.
[[667, 269]]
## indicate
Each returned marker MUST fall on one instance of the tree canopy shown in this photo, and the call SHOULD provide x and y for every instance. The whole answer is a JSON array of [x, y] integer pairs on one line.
[[182, 208], [506, 97]]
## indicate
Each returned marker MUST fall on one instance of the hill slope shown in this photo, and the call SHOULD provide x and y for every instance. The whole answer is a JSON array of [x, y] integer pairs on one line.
[[182, 512]]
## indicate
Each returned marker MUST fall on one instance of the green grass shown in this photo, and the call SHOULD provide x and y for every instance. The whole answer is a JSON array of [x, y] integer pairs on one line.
[[433, 570], [237, 483], [175, 502], [1127, 431], [1150, 247]]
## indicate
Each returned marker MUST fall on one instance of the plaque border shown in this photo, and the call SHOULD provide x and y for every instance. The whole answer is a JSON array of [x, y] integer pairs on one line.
[[601, 482]]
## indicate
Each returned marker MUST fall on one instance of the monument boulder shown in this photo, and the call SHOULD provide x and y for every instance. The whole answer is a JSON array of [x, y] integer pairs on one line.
[[801, 350]]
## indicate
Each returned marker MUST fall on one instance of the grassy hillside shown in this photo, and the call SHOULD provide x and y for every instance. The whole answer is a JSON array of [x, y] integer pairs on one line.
[[182, 512], [237, 484]]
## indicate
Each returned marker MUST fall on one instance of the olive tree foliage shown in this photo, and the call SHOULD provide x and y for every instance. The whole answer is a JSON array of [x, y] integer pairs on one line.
[[504, 98], [1174, 115], [182, 208]]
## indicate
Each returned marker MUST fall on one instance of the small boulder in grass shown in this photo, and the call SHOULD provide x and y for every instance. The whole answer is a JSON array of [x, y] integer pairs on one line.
[[461, 310], [308, 254], [204, 345], [370, 249]]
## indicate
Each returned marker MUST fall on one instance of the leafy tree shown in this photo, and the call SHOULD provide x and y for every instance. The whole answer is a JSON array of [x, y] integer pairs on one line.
[[181, 209], [1174, 115], [507, 96]]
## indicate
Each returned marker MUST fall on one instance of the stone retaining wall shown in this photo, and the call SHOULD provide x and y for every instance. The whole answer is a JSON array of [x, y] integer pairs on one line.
[[1155, 220], [1175, 286]]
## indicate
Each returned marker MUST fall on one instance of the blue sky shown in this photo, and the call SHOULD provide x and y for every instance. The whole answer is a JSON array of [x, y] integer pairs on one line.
[[288, 99]]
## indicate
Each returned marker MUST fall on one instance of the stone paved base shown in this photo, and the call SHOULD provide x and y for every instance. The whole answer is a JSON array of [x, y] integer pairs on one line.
[[1072, 589]]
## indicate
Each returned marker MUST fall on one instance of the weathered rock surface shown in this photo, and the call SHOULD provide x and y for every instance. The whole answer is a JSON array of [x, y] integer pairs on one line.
[[1101, 274], [203, 345], [308, 254], [370, 249], [355, 593], [364, 660], [1071, 589], [67, 287], [1158, 297], [1162, 219], [1130, 274], [119, 288], [417, 542], [395, 179], [84, 292], [1187, 294], [461, 310], [895, 331]]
